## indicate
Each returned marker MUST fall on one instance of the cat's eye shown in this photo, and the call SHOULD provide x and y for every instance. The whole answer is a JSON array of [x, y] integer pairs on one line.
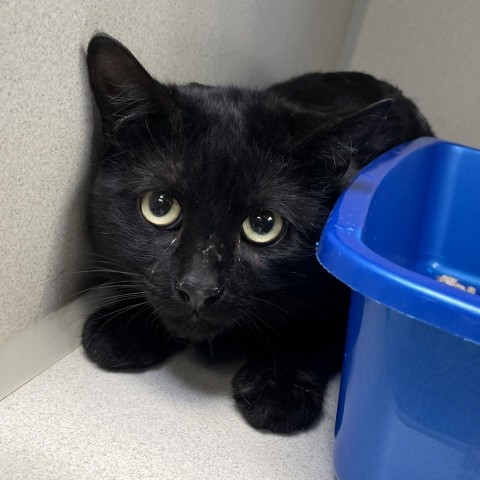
[[160, 208], [263, 227]]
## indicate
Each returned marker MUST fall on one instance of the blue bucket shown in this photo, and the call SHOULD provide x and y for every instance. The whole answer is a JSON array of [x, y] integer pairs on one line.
[[409, 406]]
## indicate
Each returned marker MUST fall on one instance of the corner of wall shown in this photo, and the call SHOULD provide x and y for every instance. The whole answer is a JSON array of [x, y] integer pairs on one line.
[[29, 352], [352, 34]]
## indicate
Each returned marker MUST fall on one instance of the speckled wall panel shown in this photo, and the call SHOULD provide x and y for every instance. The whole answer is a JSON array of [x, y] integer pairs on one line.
[[46, 120], [431, 49]]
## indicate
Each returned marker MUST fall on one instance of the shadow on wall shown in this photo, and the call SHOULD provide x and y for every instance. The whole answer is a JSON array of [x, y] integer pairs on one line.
[[70, 259]]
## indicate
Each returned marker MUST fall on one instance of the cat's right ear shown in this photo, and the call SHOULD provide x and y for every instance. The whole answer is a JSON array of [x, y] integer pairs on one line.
[[123, 89]]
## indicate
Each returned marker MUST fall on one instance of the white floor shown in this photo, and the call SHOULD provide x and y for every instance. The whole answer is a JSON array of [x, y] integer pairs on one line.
[[178, 421]]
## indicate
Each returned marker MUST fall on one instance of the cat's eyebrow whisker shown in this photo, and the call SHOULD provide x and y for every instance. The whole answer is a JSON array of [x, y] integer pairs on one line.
[[150, 133]]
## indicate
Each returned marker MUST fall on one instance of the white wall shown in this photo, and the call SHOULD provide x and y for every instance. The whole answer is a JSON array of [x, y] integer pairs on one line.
[[46, 121], [431, 49]]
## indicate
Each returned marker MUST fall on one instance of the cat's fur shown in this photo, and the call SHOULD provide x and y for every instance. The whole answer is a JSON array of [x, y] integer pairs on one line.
[[223, 152]]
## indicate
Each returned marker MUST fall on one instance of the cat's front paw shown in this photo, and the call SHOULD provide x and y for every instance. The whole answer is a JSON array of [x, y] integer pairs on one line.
[[282, 399], [122, 338]]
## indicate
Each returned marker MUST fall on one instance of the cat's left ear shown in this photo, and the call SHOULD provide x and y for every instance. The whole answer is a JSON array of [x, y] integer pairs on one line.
[[342, 138], [123, 89]]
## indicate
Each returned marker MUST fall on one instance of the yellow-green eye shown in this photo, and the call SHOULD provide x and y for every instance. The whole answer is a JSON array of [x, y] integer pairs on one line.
[[160, 208], [263, 227]]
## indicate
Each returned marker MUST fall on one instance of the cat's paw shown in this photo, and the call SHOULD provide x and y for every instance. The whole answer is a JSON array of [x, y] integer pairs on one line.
[[125, 340], [283, 399]]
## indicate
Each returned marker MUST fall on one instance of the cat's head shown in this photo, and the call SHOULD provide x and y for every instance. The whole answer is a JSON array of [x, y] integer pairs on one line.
[[209, 200]]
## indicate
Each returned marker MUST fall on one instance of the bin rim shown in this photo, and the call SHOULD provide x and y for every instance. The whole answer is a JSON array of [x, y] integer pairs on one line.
[[343, 253]]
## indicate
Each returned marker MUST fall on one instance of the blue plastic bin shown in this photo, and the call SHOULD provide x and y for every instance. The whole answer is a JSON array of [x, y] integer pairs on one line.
[[409, 406]]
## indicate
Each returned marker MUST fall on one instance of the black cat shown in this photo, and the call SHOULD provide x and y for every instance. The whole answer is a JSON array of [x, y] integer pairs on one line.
[[204, 210]]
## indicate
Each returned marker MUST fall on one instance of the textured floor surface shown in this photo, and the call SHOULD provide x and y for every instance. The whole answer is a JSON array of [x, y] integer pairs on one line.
[[178, 421]]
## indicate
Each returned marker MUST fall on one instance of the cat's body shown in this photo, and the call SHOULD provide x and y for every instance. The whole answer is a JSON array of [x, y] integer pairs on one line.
[[223, 249]]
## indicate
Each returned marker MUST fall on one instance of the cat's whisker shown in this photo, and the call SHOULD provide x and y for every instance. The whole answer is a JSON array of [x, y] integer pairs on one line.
[[104, 304], [135, 315], [102, 259], [272, 350], [108, 270], [113, 263], [119, 297], [115, 314], [241, 324], [271, 304], [153, 314], [259, 318], [106, 286], [119, 311], [106, 301]]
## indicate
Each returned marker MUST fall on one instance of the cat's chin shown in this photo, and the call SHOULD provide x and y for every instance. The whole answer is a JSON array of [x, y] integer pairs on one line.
[[194, 327]]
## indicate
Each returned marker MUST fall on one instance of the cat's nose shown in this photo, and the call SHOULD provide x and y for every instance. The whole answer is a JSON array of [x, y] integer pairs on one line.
[[197, 294]]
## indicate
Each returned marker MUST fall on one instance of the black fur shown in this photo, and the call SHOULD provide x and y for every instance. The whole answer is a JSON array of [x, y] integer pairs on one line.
[[224, 152]]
